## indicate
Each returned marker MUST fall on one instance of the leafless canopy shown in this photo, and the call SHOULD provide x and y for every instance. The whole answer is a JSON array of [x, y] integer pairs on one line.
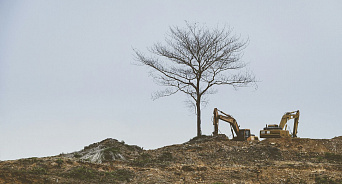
[[194, 59]]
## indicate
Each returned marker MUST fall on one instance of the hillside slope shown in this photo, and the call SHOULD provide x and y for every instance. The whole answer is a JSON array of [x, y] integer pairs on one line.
[[201, 160]]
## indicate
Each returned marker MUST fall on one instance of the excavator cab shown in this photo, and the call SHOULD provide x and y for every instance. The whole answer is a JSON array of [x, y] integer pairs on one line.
[[245, 134]]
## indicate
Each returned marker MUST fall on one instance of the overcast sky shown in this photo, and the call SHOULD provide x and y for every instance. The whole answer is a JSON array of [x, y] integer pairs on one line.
[[67, 78]]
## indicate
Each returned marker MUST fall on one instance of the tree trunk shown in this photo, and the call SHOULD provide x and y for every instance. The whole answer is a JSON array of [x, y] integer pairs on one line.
[[198, 106]]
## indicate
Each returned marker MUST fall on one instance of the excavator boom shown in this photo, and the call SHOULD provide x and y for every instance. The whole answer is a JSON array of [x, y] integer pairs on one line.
[[287, 116]]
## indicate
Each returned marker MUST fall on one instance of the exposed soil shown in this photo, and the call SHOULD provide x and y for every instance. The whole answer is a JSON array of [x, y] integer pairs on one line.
[[205, 159]]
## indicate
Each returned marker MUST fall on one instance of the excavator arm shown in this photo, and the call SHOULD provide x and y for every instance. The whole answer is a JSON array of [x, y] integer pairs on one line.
[[295, 126], [227, 118]]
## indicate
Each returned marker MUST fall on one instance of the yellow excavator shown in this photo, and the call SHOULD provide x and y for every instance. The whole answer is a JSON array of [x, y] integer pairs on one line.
[[278, 131], [240, 134]]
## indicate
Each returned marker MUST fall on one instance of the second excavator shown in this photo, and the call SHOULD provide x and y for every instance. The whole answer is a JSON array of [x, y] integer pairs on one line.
[[240, 134], [278, 131]]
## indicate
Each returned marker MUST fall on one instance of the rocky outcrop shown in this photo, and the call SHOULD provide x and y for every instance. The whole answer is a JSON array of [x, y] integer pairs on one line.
[[105, 151]]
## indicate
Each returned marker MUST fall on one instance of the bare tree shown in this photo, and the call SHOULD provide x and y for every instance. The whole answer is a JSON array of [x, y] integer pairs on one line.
[[194, 60]]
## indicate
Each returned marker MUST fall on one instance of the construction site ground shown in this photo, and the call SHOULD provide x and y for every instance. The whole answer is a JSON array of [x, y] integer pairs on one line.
[[206, 159]]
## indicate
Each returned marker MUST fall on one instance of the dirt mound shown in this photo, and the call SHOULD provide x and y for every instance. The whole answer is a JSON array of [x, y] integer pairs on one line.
[[206, 138], [307, 145], [205, 159], [337, 138], [106, 151]]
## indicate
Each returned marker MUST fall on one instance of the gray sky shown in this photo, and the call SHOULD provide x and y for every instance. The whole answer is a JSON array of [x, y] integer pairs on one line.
[[67, 78]]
